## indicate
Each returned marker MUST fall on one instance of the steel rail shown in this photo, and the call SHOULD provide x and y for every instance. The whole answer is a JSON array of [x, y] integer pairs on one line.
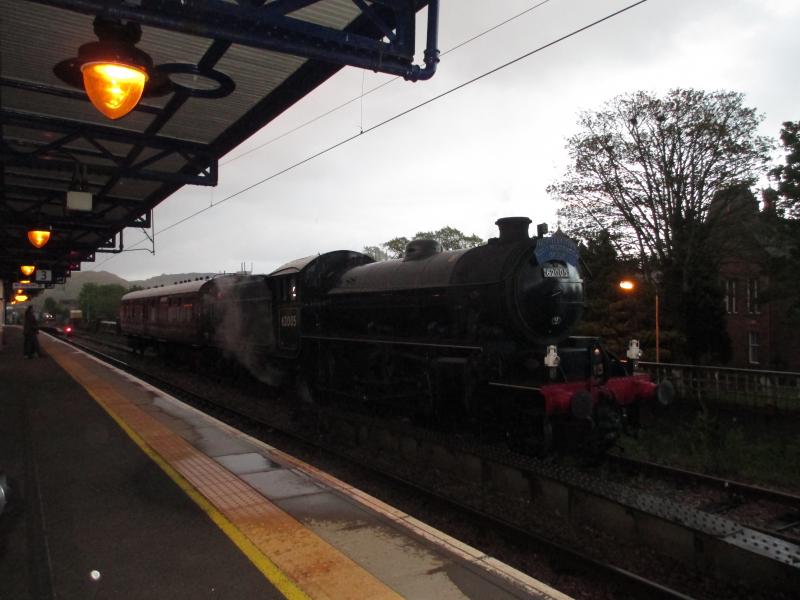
[[744, 489]]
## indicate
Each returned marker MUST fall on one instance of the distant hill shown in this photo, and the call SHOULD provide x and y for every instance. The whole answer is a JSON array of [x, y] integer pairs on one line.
[[72, 288]]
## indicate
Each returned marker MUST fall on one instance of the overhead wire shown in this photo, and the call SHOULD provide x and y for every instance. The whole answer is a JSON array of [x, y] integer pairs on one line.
[[396, 116], [380, 86]]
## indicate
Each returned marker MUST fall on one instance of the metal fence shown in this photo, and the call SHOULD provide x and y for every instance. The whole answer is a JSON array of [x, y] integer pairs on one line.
[[775, 391]]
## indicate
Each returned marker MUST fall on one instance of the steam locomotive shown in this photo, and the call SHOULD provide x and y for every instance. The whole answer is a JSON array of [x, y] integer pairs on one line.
[[477, 336]]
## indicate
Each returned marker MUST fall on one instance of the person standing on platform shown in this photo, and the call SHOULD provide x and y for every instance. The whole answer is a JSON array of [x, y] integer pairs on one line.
[[30, 330]]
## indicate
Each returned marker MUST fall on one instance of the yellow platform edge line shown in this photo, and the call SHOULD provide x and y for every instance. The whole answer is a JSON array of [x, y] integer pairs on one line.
[[261, 561]]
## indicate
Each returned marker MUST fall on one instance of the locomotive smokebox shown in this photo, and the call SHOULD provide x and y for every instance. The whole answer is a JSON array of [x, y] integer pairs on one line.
[[513, 229]]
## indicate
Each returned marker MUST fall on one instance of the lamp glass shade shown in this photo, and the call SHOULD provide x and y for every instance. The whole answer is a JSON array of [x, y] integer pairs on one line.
[[114, 89], [20, 297], [38, 237], [27, 270], [627, 285]]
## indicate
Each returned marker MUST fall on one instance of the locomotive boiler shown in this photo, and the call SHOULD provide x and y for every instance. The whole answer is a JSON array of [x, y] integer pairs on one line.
[[477, 337]]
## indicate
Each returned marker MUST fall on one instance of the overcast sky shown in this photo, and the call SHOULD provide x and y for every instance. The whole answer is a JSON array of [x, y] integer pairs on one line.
[[486, 151]]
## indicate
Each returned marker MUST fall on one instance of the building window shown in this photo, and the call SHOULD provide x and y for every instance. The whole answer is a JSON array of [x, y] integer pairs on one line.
[[730, 296], [753, 343], [752, 297]]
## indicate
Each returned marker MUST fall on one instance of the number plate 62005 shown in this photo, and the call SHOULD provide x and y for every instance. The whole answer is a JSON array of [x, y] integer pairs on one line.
[[555, 272]]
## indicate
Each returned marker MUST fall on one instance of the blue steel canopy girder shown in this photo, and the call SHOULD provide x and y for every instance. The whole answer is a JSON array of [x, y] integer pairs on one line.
[[51, 156], [207, 176], [101, 132], [27, 188], [50, 90], [269, 28]]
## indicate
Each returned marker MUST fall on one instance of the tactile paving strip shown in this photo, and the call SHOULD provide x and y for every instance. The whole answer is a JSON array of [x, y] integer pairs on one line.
[[315, 567]]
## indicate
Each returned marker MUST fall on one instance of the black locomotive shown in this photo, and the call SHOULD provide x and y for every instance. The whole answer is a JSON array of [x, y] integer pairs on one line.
[[468, 336]]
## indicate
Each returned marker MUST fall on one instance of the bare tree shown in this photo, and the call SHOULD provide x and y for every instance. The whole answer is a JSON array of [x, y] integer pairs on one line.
[[646, 169]]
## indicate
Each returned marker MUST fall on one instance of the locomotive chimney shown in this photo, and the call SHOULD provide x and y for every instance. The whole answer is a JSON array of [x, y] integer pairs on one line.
[[513, 229]]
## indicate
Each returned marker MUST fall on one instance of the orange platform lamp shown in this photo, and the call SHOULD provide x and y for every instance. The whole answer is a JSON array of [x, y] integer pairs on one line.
[[20, 297], [113, 71], [114, 89], [39, 237], [27, 270]]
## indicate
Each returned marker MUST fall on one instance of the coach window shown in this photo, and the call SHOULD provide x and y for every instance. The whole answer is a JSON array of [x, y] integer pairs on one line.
[[285, 289], [188, 312]]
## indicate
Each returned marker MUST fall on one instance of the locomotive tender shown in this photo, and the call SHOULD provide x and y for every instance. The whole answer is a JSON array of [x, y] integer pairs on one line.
[[479, 335]]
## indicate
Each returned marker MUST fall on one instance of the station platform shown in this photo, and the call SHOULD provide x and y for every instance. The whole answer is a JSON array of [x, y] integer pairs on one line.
[[120, 491]]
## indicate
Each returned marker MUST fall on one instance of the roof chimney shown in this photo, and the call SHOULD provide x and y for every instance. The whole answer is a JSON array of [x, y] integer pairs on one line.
[[513, 229]]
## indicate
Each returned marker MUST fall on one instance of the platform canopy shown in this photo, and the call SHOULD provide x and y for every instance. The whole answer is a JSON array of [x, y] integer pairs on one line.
[[221, 70]]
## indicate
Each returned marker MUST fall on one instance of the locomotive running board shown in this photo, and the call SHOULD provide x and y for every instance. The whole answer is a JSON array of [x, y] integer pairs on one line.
[[512, 386], [325, 338]]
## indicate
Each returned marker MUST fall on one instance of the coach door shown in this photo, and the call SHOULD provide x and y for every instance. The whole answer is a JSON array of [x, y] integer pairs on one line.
[[288, 313]]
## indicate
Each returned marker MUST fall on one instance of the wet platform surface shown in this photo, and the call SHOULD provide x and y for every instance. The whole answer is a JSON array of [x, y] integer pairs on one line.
[[166, 502]]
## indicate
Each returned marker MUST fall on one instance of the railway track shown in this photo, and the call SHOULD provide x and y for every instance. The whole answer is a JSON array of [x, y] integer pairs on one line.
[[746, 490], [782, 508], [576, 495]]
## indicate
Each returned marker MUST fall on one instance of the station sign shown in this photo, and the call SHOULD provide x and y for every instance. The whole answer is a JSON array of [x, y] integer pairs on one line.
[[29, 286], [43, 276]]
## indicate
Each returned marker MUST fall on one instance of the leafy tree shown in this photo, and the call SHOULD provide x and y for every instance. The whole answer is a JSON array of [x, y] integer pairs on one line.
[[609, 312], [784, 262], [100, 302], [449, 237], [787, 176], [783, 268], [396, 247], [376, 253]]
